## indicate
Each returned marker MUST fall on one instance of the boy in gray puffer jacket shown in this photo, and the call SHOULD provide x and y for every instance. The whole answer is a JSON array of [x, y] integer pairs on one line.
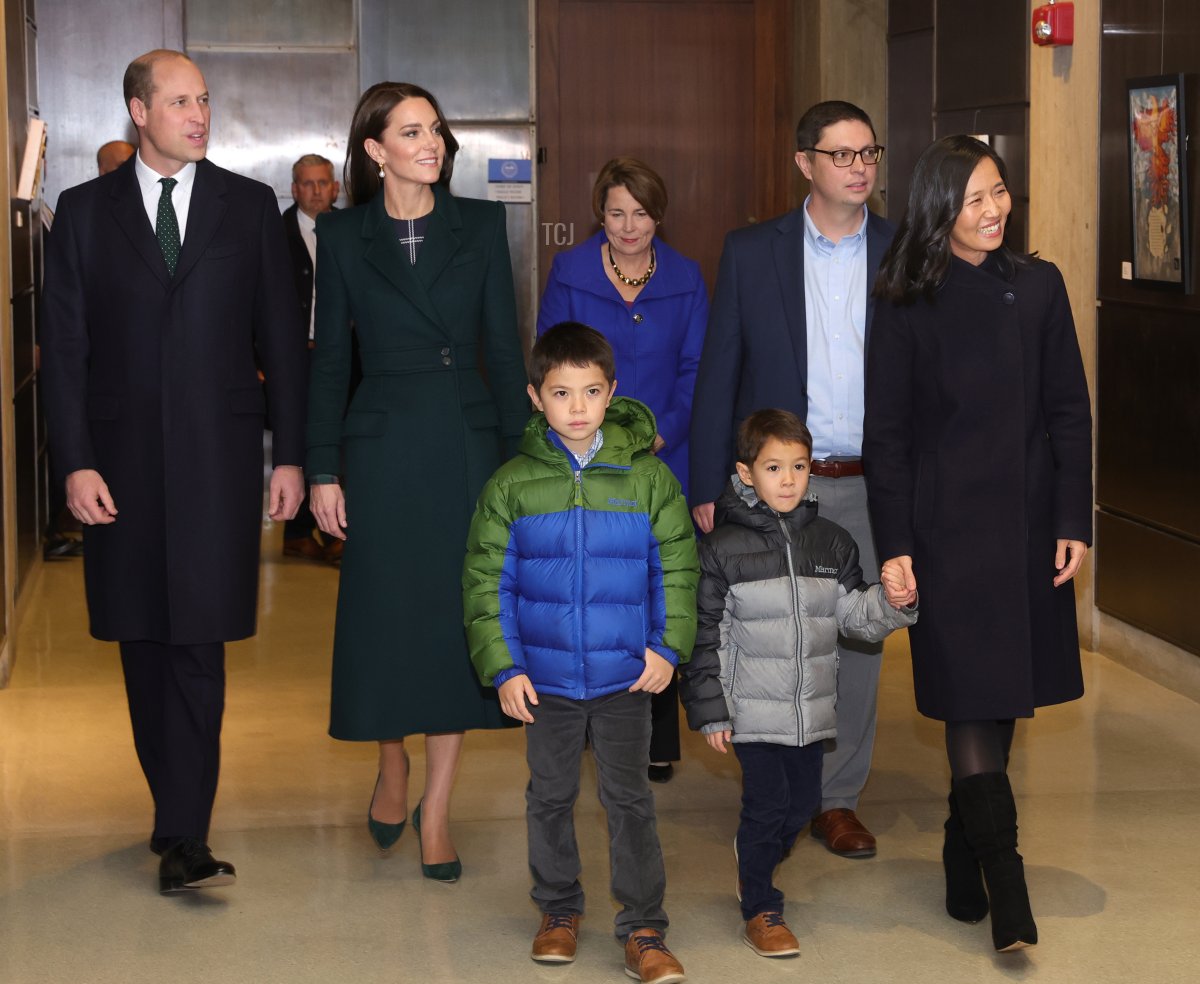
[[777, 585]]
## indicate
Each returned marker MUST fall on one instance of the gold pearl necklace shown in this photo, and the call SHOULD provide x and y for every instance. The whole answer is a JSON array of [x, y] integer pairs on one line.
[[631, 281]]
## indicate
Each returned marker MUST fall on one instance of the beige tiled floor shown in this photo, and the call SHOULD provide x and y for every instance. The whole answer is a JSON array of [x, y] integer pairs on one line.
[[1109, 793]]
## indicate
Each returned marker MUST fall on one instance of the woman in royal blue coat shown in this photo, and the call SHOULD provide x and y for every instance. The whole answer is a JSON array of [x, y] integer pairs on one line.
[[651, 304]]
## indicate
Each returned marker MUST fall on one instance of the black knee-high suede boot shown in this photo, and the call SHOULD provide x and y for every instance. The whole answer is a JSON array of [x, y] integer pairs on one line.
[[966, 899], [989, 818]]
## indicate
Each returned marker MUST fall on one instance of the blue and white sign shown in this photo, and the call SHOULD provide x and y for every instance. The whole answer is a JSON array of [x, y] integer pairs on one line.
[[510, 180]]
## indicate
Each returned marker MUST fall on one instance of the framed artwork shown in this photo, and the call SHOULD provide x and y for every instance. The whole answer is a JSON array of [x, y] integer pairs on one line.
[[1158, 182]]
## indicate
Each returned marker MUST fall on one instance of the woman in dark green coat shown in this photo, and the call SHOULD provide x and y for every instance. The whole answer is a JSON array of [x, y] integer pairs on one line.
[[425, 282]]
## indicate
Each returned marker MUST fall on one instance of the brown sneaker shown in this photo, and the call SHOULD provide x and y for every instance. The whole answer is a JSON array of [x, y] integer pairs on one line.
[[648, 960], [556, 938], [768, 936]]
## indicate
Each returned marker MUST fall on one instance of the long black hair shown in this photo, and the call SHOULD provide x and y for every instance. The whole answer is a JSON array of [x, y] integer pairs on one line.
[[361, 174], [919, 258]]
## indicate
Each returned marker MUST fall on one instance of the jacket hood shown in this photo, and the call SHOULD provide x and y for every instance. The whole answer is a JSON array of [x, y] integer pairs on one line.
[[628, 427], [740, 504]]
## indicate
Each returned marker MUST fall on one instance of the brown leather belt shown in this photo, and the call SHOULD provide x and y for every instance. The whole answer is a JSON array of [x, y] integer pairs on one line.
[[836, 467]]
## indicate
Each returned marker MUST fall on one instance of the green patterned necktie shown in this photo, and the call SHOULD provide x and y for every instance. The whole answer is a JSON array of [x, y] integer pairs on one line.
[[166, 229]]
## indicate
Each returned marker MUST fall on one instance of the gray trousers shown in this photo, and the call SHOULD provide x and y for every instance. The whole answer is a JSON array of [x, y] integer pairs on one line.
[[848, 756], [618, 727]]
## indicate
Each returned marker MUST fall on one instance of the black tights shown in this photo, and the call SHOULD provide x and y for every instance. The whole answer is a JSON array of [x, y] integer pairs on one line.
[[978, 746]]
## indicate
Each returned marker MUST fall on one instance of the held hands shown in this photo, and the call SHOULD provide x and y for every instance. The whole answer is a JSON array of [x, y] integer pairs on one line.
[[328, 505], [658, 444], [655, 676], [899, 583], [514, 692], [718, 739], [702, 515], [1067, 560], [286, 491], [88, 498]]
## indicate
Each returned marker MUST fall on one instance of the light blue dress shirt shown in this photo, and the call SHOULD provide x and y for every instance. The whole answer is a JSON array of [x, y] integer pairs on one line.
[[835, 311]]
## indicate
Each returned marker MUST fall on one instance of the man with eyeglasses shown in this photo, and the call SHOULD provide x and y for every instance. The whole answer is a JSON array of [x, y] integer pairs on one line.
[[788, 328]]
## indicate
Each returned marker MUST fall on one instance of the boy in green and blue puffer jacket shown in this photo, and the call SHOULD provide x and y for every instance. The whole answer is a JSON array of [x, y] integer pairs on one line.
[[579, 594]]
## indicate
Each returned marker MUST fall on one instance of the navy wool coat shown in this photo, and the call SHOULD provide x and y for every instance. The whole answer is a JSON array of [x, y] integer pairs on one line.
[[151, 380], [977, 449]]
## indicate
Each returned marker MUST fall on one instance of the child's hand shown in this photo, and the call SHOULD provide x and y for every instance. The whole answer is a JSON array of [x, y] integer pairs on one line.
[[899, 582], [718, 739], [655, 676], [514, 692]]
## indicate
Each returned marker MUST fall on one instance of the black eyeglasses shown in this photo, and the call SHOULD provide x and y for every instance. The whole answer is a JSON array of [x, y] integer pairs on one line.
[[844, 158]]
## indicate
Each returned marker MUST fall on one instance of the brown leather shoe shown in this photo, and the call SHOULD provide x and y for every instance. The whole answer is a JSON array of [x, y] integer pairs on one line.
[[648, 960], [556, 938], [768, 936], [304, 547], [844, 834], [332, 552]]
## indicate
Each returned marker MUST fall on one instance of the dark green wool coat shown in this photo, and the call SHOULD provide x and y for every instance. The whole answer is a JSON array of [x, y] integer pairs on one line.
[[443, 388]]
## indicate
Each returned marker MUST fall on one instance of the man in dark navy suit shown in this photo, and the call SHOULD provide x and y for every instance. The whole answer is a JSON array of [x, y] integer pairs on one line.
[[163, 280], [314, 190], [788, 328]]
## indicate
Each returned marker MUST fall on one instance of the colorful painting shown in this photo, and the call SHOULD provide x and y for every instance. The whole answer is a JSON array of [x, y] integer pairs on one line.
[[1158, 181]]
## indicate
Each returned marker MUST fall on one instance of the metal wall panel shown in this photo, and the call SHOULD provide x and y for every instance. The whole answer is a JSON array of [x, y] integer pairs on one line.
[[269, 108], [259, 22], [475, 57], [84, 49]]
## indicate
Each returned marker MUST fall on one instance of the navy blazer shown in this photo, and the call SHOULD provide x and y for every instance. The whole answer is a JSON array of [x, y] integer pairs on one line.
[[756, 349], [302, 264]]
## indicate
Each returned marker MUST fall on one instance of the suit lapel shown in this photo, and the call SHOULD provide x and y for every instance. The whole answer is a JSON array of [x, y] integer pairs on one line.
[[789, 270], [877, 244], [205, 214], [130, 215], [441, 238], [384, 253]]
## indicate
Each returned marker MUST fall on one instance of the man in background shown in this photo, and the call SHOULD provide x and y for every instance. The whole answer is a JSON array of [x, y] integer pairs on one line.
[[314, 190], [113, 154]]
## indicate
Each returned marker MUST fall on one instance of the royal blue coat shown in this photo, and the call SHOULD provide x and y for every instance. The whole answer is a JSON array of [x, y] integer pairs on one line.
[[656, 341]]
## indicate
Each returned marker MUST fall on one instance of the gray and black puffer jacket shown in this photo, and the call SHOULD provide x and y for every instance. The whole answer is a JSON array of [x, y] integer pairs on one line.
[[775, 591]]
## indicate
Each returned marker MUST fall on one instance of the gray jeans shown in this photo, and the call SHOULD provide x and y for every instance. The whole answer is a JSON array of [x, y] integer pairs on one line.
[[618, 726]]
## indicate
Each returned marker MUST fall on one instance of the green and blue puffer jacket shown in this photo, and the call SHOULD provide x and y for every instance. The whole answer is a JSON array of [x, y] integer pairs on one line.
[[571, 574]]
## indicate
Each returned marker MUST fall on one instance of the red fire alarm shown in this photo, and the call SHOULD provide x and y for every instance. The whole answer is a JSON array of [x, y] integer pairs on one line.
[[1054, 23]]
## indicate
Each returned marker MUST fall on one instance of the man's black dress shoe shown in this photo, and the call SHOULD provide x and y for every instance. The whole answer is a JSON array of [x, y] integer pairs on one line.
[[57, 547], [189, 864], [660, 773], [159, 845]]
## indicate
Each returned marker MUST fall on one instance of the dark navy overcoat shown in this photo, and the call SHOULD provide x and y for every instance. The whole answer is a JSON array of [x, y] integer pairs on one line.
[[978, 455]]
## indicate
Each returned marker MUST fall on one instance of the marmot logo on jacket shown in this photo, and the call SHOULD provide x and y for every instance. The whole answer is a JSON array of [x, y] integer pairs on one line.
[[628, 503], [818, 569]]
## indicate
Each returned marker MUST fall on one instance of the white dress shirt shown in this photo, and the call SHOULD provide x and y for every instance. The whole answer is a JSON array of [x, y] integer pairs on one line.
[[181, 195], [308, 232]]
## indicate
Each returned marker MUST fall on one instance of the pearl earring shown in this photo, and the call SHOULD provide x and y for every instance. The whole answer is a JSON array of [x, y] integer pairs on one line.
[[381, 172]]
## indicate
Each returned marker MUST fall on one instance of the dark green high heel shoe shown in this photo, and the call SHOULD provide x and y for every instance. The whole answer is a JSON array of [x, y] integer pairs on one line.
[[447, 872], [383, 834]]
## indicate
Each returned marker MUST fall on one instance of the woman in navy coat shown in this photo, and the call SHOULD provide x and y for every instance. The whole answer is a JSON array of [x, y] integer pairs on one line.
[[651, 304], [423, 280], [977, 450]]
